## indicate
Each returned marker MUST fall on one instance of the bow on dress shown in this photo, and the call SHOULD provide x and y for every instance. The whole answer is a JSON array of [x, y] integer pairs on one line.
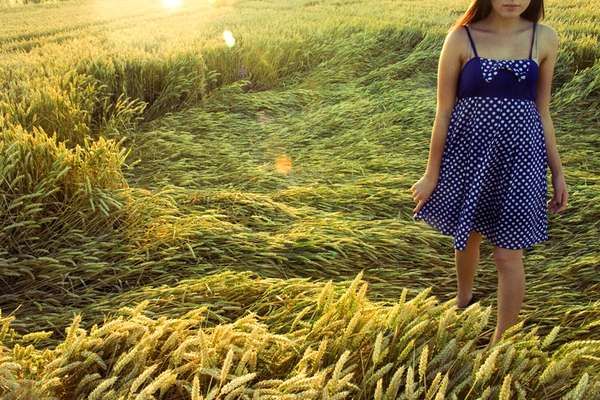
[[490, 68]]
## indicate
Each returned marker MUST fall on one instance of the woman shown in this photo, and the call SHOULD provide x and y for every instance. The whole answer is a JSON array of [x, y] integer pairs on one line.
[[492, 142]]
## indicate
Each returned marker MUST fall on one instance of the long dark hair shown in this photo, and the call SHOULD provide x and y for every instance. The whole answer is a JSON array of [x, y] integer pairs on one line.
[[479, 9]]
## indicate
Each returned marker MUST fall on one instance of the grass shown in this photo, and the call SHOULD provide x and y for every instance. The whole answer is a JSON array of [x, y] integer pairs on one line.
[[161, 190]]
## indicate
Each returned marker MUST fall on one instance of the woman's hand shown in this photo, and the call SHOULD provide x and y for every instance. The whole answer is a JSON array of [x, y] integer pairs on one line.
[[421, 190], [560, 197]]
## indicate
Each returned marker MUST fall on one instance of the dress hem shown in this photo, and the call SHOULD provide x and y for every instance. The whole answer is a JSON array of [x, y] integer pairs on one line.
[[486, 235]]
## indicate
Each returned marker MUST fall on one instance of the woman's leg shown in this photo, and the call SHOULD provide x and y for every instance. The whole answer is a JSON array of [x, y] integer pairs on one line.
[[511, 288], [466, 265]]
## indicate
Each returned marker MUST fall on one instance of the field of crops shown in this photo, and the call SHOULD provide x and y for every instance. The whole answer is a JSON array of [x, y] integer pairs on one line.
[[208, 199]]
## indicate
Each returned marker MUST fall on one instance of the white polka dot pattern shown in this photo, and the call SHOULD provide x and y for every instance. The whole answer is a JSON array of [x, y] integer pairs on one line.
[[490, 67], [492, 175]]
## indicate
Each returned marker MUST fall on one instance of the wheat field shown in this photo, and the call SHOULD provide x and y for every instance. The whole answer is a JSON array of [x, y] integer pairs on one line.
[[208, 199]]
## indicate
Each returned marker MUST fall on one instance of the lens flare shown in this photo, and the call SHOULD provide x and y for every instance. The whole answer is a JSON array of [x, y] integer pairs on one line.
[[229, 39], [283, 164]]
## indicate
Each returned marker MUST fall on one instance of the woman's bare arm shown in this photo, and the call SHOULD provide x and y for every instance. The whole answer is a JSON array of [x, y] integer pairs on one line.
[[548, 39], [449, 66]]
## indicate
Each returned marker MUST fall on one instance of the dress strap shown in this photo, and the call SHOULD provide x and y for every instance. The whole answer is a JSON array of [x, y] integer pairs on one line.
[[532, 39], [471, 40]]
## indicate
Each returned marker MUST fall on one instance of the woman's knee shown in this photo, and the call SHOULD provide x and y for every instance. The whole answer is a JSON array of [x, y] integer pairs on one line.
[[505, 258], [474, 237]]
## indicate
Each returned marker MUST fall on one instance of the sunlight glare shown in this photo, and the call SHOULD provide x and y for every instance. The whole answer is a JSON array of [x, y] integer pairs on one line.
[[171, 4]]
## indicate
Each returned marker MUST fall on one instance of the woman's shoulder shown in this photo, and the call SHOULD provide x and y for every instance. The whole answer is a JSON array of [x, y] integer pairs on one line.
[[459, 28], [547, 38], [547, 32], [456, 39], [456, 34]]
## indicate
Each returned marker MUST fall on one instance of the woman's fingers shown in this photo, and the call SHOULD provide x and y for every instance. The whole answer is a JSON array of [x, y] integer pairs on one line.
[[557, 198], [552, 204], [559, 201], [418, 207], [563, 200], [417, 196]]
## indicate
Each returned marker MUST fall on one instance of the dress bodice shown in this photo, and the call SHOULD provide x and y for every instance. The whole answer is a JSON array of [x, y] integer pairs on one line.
[[488, 77], [498, 78]]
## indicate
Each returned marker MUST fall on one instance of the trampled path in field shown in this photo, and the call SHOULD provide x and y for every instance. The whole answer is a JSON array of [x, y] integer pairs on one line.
[[313, 183], [268, 140], [303, 169]]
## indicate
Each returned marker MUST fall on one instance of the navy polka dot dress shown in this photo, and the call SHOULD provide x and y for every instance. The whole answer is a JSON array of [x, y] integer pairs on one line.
[[493, 170]]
